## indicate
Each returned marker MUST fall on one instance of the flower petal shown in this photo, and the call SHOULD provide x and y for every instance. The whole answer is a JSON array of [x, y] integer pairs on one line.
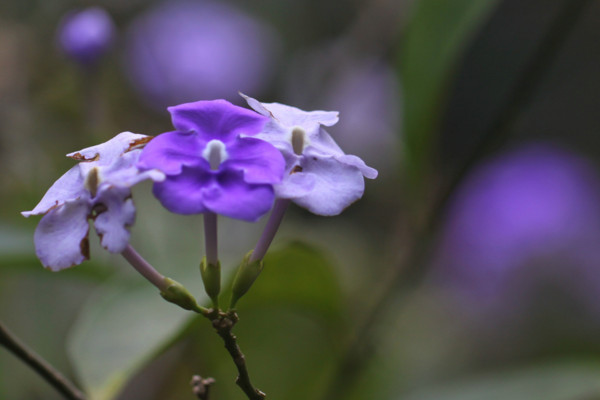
[[170, 151], [336, 185], [124, 172], [291, 116], [229, 195], [61, 236], [116, 216], [295, 186], [183, 193], [216, 119], [67, 188], [108, 151], [355, 161], [258, 160]]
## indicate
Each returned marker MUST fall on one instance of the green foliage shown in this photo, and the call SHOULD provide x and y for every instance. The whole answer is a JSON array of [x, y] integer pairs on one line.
[[437, 34], [549, 382], [297, 276], [120, 329]]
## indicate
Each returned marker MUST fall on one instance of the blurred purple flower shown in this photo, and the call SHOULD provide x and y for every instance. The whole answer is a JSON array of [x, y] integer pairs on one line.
[[525, 217], [365, 90], [182, 51], [86, 35], [210, 167], [319, 175], [98, 188]]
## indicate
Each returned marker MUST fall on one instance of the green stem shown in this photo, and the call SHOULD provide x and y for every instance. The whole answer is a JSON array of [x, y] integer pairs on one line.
[[39, 365]]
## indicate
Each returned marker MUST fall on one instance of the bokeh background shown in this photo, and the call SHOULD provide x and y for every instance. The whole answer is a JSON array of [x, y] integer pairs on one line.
[[469, 270]]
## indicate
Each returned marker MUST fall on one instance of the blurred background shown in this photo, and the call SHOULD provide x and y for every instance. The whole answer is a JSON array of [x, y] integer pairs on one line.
[[469, 270]]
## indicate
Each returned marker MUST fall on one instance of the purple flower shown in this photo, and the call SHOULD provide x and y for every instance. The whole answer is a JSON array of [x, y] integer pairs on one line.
[[183, 51], [86, 35], [97, 188], [210, 166], [319, 175], [522, 219]]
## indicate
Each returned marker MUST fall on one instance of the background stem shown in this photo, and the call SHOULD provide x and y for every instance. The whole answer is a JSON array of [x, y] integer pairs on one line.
[[39, 365]]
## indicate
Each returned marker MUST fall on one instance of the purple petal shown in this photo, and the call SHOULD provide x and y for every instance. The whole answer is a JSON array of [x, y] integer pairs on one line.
[[123, 171], [291, 116], [61, 236], [355, 161], [336, 186], [216, 119], [171, 151], [259, 160], [184, 193], [229, 195], [116, 215], [295, 186], [67, 188]]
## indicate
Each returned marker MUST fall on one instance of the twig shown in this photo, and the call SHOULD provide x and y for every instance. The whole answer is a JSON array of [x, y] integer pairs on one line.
[[39, 365], [410, 269], [223, 325]]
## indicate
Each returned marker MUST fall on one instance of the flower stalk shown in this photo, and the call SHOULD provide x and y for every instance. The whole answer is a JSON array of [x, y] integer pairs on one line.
[[270, 230]]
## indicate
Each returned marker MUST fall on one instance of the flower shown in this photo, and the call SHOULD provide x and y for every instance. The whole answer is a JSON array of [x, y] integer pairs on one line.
[[518, 222], [183, 51], [319, 175], [97, 188], [210, 166], [86, 35]]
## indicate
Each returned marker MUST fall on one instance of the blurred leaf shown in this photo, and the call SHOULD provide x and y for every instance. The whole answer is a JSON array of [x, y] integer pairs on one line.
[[433, 43], [119, 330], [551, 382], [299, 276]]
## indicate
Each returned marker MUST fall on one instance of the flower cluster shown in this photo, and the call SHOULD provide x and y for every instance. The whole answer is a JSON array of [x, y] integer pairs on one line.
[[220, 159]]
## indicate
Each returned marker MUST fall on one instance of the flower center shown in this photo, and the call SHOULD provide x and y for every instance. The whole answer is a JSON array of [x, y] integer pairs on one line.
[[91, 181], [298, 140], [215, 153]]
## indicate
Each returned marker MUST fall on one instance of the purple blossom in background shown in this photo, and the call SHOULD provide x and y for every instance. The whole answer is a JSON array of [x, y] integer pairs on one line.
[[367, 94], [210, 166], [319, 175], [86, 35], [97, 188], [183, 51], [524, 218]]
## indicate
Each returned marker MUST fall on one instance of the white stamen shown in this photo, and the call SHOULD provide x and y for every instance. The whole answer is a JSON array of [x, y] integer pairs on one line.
[[299, 140], [215, 153]]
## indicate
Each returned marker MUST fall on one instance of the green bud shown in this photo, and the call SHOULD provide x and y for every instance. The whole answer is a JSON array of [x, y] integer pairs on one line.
[[211, 276], [245, 277], [176, 293]]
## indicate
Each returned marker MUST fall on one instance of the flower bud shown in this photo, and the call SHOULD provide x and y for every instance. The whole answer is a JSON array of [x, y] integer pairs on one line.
[[176, 293], [244, 278], [85, 36], [211, 276]]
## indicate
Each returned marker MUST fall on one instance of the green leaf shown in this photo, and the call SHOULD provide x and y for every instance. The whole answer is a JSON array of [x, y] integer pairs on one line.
[[297, 276], [119, 330], [436, 36], [549, 382]]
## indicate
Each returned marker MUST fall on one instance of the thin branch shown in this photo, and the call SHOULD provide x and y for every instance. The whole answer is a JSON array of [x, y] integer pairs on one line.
[[410, 270], [39, 365], [223, 325]]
